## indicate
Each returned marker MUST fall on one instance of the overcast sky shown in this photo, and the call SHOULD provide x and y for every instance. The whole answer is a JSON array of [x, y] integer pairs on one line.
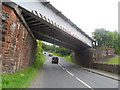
[[90, 14]]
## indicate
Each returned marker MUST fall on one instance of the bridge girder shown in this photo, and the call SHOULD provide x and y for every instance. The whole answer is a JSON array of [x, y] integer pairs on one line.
[[43, 30]]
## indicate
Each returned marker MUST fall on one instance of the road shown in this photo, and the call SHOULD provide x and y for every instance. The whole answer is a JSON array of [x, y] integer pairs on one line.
[[69, 75]]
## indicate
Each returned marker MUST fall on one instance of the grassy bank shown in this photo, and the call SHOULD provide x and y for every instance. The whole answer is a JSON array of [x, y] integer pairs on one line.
[[22, 78], [114, 60], [57, 54], [0, 81], [68, 58]]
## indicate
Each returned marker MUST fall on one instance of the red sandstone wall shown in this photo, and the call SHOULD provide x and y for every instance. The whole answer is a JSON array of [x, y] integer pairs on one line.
[[101, 54], [107, 67], [0, 34], [18, 45]]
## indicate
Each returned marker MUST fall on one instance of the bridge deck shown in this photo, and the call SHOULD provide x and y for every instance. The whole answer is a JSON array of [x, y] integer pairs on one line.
[[47, 30], [44, 30]]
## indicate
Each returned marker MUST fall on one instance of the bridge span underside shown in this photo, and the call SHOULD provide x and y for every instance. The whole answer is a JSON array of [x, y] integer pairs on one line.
[[45, 31], [42, 30]]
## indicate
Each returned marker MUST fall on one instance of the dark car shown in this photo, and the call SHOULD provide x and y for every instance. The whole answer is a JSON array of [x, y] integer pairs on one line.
[[55, 60]]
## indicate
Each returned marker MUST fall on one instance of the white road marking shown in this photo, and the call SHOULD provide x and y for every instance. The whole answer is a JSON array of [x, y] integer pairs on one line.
[[76, 77], [66, 70], [62, 67], [84, 83], [70, 73]]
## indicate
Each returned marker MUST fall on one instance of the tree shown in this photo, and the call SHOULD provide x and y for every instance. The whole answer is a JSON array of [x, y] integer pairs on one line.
[[101, 36], [56, 49], [107, 38]]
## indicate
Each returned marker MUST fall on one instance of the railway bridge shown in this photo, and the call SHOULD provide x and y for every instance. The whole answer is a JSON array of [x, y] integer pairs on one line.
[[44, 22]]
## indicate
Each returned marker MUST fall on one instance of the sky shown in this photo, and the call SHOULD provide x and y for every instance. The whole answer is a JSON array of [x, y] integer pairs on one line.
[[90, 14]]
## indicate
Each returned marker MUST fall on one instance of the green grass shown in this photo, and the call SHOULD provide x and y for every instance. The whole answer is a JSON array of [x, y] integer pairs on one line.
[[115, 60], [0, 81], [57, 54], [68, 58], [23, 78]]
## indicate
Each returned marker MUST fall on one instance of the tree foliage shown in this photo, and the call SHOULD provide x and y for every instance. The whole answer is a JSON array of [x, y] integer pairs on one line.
[[107, 38], [56, 49]]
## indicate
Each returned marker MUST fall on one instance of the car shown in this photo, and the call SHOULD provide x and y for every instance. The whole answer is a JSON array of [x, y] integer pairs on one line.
[[50, 54], [55, 60]]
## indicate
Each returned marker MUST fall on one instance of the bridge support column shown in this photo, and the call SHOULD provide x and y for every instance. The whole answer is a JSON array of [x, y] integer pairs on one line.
[[84, 57]]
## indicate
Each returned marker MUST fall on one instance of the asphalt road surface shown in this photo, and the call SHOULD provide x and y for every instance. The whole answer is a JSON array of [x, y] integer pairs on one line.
[[68, 75]]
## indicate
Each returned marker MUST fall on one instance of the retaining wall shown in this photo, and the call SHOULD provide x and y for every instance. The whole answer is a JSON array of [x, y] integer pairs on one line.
[[107, 67], [18, 45]]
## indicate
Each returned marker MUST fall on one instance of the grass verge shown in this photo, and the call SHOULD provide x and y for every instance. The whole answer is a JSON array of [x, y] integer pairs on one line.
[[23, 78], [114, 60], [57, 54], [0, 81], [68, 58]]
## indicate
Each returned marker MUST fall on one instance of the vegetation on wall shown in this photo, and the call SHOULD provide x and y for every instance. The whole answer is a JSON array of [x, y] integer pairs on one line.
[[23, 78], [107, 38]]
